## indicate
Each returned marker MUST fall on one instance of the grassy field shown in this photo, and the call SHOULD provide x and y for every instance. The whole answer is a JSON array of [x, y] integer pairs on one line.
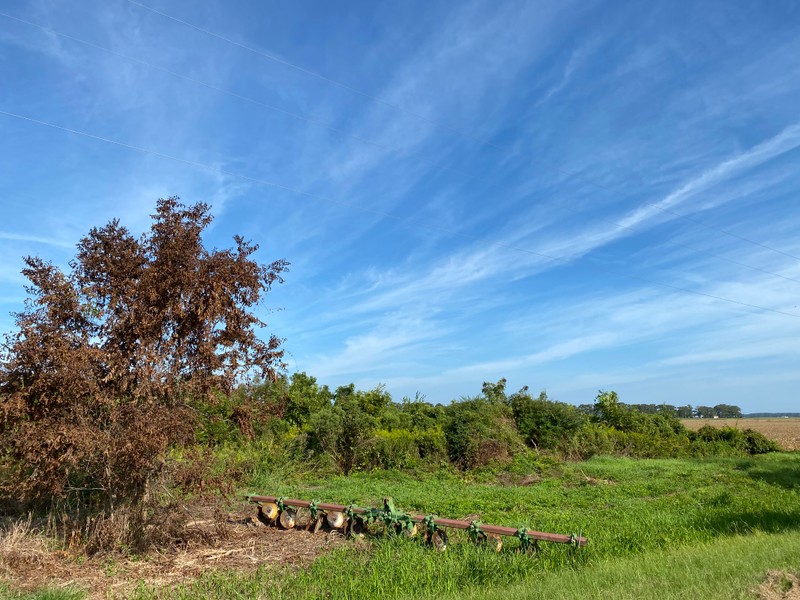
[[730, 568], [668, 514], [784, 431], [688, 528]]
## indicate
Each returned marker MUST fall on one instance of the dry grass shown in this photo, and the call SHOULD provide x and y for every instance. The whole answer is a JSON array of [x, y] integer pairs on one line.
[[779, 585], [21, 547], [784, 431], [216, 540]]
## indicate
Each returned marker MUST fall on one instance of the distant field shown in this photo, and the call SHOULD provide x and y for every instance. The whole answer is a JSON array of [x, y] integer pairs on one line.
[[784, 431]]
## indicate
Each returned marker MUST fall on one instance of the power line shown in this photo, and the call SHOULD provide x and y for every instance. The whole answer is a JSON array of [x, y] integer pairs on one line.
[[450, 128], [341, 132], [383, 214]]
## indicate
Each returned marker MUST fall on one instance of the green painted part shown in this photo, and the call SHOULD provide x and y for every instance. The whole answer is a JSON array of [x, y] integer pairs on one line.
[[524, 538], [430, 523], [393, 518], [475, 532]]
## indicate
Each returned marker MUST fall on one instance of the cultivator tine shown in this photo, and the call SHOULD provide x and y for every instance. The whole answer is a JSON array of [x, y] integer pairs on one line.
[[353, 521], [438, 539], [336, 520], [494, 541], [316, 524], [270, 511], [357, 528], [287, 518], [434, 535]]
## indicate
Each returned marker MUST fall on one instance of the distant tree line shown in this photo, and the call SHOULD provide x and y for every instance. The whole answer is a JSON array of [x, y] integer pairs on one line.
[[721, 411], [761, 415]]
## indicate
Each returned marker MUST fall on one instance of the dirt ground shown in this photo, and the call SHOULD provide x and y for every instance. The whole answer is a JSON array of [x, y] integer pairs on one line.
[[784, 431], [232, 540], [780, 586]]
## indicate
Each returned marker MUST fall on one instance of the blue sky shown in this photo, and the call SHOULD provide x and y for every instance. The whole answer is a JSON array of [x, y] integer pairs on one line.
[[572, 195]]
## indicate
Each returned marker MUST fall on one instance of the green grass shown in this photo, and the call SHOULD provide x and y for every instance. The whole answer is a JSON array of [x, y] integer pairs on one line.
[[623, 505], [6, 593], [645, 519], [729, 568]]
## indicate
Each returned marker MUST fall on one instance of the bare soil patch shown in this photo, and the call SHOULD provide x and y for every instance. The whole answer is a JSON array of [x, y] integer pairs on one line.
[[779, 585], [219, 540], [784, 431]]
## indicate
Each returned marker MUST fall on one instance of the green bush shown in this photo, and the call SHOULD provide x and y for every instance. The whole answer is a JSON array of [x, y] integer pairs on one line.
[[758, 443], [729, 436], [544, 423], [396, 449], [346, 430], [304, 398], [431, 445], [609, 411], [345, 433], [729, 441], [479, 431]]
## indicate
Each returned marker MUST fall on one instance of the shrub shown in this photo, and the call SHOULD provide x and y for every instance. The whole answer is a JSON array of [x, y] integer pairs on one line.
[[345, 433], [757, 443], [719, 440], [609, 411], [396, 449], [479, 431], [304, 397], [431, 445], [96, 382], [544, 423]]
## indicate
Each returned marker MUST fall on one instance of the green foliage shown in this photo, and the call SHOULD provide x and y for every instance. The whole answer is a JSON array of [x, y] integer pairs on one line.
[[416, 415], [355, 429], [373, 402], [758, 443], [727, 411], [479, 430], [396, 449], [627, 430], [675, 521], [609, 411], [494, 393], [304, 398], [612, 413], [68, 593], [215, 425], [404, 449], [344, 434], [345, 430], [351, 429], [431, 445], [748, 440], [544, 423]]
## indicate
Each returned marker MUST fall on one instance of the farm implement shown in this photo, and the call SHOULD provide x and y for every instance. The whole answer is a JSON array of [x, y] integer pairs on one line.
[[355, 521]]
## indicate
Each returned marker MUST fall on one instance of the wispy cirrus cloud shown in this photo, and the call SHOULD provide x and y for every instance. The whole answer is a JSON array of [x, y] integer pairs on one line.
[[36, 239], [536, 128]]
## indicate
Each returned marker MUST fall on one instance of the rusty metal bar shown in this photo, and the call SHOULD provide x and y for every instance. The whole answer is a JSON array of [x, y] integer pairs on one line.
[[454, 523]]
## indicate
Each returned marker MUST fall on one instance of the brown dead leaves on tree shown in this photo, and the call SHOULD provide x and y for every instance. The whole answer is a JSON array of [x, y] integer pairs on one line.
[[97, 381]]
